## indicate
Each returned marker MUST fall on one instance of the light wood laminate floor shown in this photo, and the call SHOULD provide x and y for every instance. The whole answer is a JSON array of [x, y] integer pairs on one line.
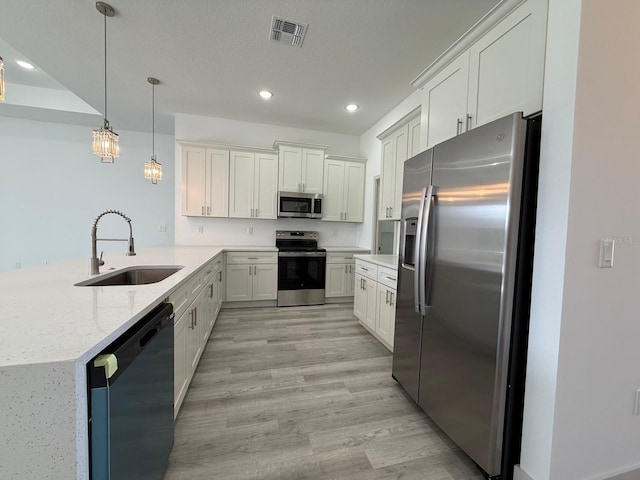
[[304, 393]]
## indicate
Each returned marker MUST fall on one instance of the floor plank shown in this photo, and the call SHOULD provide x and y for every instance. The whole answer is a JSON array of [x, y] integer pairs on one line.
[[304, 393]]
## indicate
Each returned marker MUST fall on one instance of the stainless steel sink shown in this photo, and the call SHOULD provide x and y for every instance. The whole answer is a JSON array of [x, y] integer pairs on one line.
[[142, 275]]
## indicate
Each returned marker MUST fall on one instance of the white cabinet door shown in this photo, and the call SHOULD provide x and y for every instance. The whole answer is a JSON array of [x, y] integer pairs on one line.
[[387, 177], [336, 280], [312, 170], [445, 102], [180, 362], [193, 181], [414, 143], [242, 184], [353, 192], [266, 185], [289, 168], [360, 298], [401, 139], [370, 293], [239, 283], [386, 314], [506, 69], [350, 283], [217, 182], [333, 190], [265, 282], [196, 313]]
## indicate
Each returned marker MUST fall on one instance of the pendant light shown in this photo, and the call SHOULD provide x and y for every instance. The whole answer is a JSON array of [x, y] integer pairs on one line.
[[105, 140], [153, 169], [1, 80]]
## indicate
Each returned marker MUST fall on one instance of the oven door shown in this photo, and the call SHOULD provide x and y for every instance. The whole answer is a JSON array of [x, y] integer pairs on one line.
[[301, 278]]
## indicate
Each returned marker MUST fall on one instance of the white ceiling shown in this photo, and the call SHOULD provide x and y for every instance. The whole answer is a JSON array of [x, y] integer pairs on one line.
[[212, 56]]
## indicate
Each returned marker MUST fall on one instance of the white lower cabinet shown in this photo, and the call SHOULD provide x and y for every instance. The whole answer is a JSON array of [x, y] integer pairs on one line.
[[251, 276], [196, 305], [340, 274], [375, 300]]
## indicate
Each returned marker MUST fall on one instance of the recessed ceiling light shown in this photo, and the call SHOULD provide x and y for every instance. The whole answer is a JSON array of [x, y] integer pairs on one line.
[[266, 94], [352, 107], [25, 65]]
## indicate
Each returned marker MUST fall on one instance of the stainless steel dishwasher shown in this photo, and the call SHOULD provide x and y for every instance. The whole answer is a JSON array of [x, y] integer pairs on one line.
[[131, 402]]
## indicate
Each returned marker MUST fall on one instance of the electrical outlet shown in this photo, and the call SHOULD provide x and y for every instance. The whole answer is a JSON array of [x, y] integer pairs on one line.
[[334, 232], [162, 228], [637, 406], [200, 229], [249, 230], [18, 264], [44, 262]]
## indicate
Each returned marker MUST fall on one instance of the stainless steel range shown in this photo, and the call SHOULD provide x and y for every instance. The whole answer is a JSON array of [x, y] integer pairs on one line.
[[301, 268]]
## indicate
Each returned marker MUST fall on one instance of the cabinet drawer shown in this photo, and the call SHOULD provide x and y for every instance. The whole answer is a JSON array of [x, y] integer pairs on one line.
[[251, 257], [181, 299], [340, 257], [366, 269], [388, 277]]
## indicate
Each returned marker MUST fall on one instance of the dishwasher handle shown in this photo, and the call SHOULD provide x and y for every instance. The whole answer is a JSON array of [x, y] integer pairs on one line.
[[131, 344]]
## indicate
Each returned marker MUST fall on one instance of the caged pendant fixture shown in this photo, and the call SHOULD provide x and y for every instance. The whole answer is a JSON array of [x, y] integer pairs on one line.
[[105, 140], [153, 169]]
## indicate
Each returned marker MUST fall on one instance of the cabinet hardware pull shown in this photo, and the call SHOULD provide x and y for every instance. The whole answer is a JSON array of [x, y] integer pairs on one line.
[[250, 270], [256, 213], [255, 270], [386, 300], [252, 258], [211, 291], [220, 275], [365, 269], [459, 126], [468, 122], [208, 210], [391, 299], [191, 315], [298, 187], [202, 210], [303, 187], [252, 213], [346, 269]]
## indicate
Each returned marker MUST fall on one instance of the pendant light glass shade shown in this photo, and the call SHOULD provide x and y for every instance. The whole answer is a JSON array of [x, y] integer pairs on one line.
[[105, 141], [153, 169], [1, 80]]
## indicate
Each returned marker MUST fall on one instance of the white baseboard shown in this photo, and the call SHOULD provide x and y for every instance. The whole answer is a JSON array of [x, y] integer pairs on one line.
[[519, 474]]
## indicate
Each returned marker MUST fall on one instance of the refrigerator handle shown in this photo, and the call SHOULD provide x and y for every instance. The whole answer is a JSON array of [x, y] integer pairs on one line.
[[425, 247], [417, 301]]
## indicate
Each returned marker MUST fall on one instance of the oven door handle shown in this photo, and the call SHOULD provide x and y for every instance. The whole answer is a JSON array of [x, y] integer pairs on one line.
[[302, 254]]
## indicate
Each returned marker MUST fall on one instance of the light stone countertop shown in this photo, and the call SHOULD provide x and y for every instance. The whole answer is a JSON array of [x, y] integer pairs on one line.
[[346, 249], [50, 330], [389, 261]]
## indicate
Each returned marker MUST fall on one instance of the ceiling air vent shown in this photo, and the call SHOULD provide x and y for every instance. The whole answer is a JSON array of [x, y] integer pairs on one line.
[[287, 31]]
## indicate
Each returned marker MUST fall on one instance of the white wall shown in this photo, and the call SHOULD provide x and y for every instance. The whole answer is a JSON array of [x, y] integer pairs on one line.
[[371, 149], [233, 231], [52, 188], [584, 360]]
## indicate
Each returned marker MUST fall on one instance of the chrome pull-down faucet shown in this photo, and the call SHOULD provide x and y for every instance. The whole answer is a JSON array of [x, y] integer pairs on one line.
[[94, 261]]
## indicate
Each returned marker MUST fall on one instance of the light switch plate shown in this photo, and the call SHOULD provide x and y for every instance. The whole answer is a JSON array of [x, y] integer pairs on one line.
[[606, 253]]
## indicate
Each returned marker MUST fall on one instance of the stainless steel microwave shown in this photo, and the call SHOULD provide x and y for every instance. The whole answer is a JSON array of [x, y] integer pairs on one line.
[[299, 205]]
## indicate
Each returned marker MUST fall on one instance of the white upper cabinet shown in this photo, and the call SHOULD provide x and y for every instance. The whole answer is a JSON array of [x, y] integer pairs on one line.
[[205, 182], [500, 71], [444, 102], [300, 167], [343, 190], [506, 66], [193, 181], [253, 179], [401, 143]]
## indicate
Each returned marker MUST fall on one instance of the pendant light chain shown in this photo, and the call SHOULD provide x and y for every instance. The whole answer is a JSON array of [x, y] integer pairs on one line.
[[153, 119]]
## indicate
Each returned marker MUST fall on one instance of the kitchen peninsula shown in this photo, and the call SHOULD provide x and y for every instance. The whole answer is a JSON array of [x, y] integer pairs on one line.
[[51, 329]]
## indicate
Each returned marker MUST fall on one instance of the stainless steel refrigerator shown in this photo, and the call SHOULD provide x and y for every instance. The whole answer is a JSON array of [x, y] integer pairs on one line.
[[466, 254]]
